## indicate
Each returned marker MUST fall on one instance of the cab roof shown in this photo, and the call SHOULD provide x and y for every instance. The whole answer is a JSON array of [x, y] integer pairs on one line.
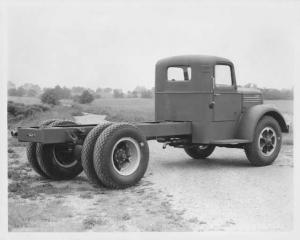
[[193, 59]]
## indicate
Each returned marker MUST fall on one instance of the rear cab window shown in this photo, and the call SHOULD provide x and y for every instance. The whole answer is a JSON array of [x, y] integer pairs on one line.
[[179, 73]]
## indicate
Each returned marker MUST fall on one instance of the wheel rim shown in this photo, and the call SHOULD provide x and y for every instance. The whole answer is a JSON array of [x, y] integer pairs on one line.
[[267, 141], [126, 156], [64, 155]]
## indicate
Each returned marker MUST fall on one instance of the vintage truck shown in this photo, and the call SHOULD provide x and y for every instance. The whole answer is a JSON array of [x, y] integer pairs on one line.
[[198, 107]]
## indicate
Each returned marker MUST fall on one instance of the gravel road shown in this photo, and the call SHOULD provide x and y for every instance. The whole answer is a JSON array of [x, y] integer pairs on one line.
[[222, 193]]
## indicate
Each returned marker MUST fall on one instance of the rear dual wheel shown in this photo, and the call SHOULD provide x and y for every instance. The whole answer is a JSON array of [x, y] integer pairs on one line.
[[31, 152], [120, 156], [88, 151], [59, 161]]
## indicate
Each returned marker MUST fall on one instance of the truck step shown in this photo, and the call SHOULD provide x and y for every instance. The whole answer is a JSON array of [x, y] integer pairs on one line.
[[230, 141]]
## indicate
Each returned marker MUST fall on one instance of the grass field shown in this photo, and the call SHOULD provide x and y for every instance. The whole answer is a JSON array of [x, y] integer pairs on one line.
[[285, 107], [122, 109]]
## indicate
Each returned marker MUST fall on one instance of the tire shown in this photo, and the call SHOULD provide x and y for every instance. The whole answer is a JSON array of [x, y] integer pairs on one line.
[[88, 151], [31, 152], [266, 142], [113, 165], [50, 158], [199, 152]]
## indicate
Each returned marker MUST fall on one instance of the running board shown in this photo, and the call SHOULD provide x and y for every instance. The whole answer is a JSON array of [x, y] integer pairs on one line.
[[230, 141]]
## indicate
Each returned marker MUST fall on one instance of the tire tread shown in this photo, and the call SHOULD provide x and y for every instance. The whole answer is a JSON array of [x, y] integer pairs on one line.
[[47, 166], [99, 154], [88, 151], [31, 151]]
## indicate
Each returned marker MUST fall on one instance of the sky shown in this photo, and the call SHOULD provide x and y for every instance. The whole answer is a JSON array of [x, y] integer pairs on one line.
[[117, 43]]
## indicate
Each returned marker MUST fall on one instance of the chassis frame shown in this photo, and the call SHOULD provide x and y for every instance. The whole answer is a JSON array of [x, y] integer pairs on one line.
[[76, 133]]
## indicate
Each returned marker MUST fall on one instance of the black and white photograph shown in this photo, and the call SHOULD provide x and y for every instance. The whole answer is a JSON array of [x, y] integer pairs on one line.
[[141, 116]]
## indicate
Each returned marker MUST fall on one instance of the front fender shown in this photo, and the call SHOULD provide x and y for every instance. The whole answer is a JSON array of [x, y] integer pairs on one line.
[[250, 118]]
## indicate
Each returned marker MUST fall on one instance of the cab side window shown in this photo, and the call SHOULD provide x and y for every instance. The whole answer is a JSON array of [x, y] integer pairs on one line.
[[223, 76]]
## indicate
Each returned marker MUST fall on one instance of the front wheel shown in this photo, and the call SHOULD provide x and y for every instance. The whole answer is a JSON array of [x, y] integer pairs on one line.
[[199, 151], [266, 142]]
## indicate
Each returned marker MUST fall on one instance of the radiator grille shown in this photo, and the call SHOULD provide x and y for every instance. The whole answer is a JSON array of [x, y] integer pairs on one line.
[[252, 98]]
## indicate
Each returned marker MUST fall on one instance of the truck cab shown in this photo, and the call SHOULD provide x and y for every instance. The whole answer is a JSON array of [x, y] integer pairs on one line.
[[203, 90]]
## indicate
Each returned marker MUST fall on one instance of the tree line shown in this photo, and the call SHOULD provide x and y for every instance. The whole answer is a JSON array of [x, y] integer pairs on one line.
[[272, 93], [87, 95], [77, 93]]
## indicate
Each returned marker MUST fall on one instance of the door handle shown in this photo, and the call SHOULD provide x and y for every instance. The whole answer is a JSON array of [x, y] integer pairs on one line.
[[217, 94], [212, 104]]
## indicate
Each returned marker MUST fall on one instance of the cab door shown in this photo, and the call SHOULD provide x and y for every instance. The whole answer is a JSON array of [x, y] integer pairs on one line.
[[227, 101]]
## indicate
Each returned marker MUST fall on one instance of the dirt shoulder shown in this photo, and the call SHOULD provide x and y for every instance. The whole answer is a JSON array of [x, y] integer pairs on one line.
[[36, 204]]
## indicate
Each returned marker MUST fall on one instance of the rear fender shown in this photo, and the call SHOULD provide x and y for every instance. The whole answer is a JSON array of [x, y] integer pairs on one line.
[[249, 120]]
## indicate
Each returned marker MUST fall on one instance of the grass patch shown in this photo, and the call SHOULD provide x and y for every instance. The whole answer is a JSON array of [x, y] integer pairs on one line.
[[286, 108], [122, 109], [31, 214], [19, 111], [57, 112]]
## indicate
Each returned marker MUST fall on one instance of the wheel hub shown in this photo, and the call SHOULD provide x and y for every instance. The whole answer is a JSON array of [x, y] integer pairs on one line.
[[64, 155], [267, 141], [121, 157], [126, 156]]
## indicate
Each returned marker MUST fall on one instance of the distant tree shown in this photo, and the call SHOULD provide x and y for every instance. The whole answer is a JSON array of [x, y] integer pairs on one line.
[[10, 85], [273, 94], [139, 90], [134, 94], [86, 97], [99, 90], [21, 91], [50, 97], [118, 93], [62, 93], [31, 93], [129, 94], [77, 90], [75, 98], [29, 86], [107, 90], [250, 85], [97, 95], [147, 93], [143, 92], [12, 92]]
